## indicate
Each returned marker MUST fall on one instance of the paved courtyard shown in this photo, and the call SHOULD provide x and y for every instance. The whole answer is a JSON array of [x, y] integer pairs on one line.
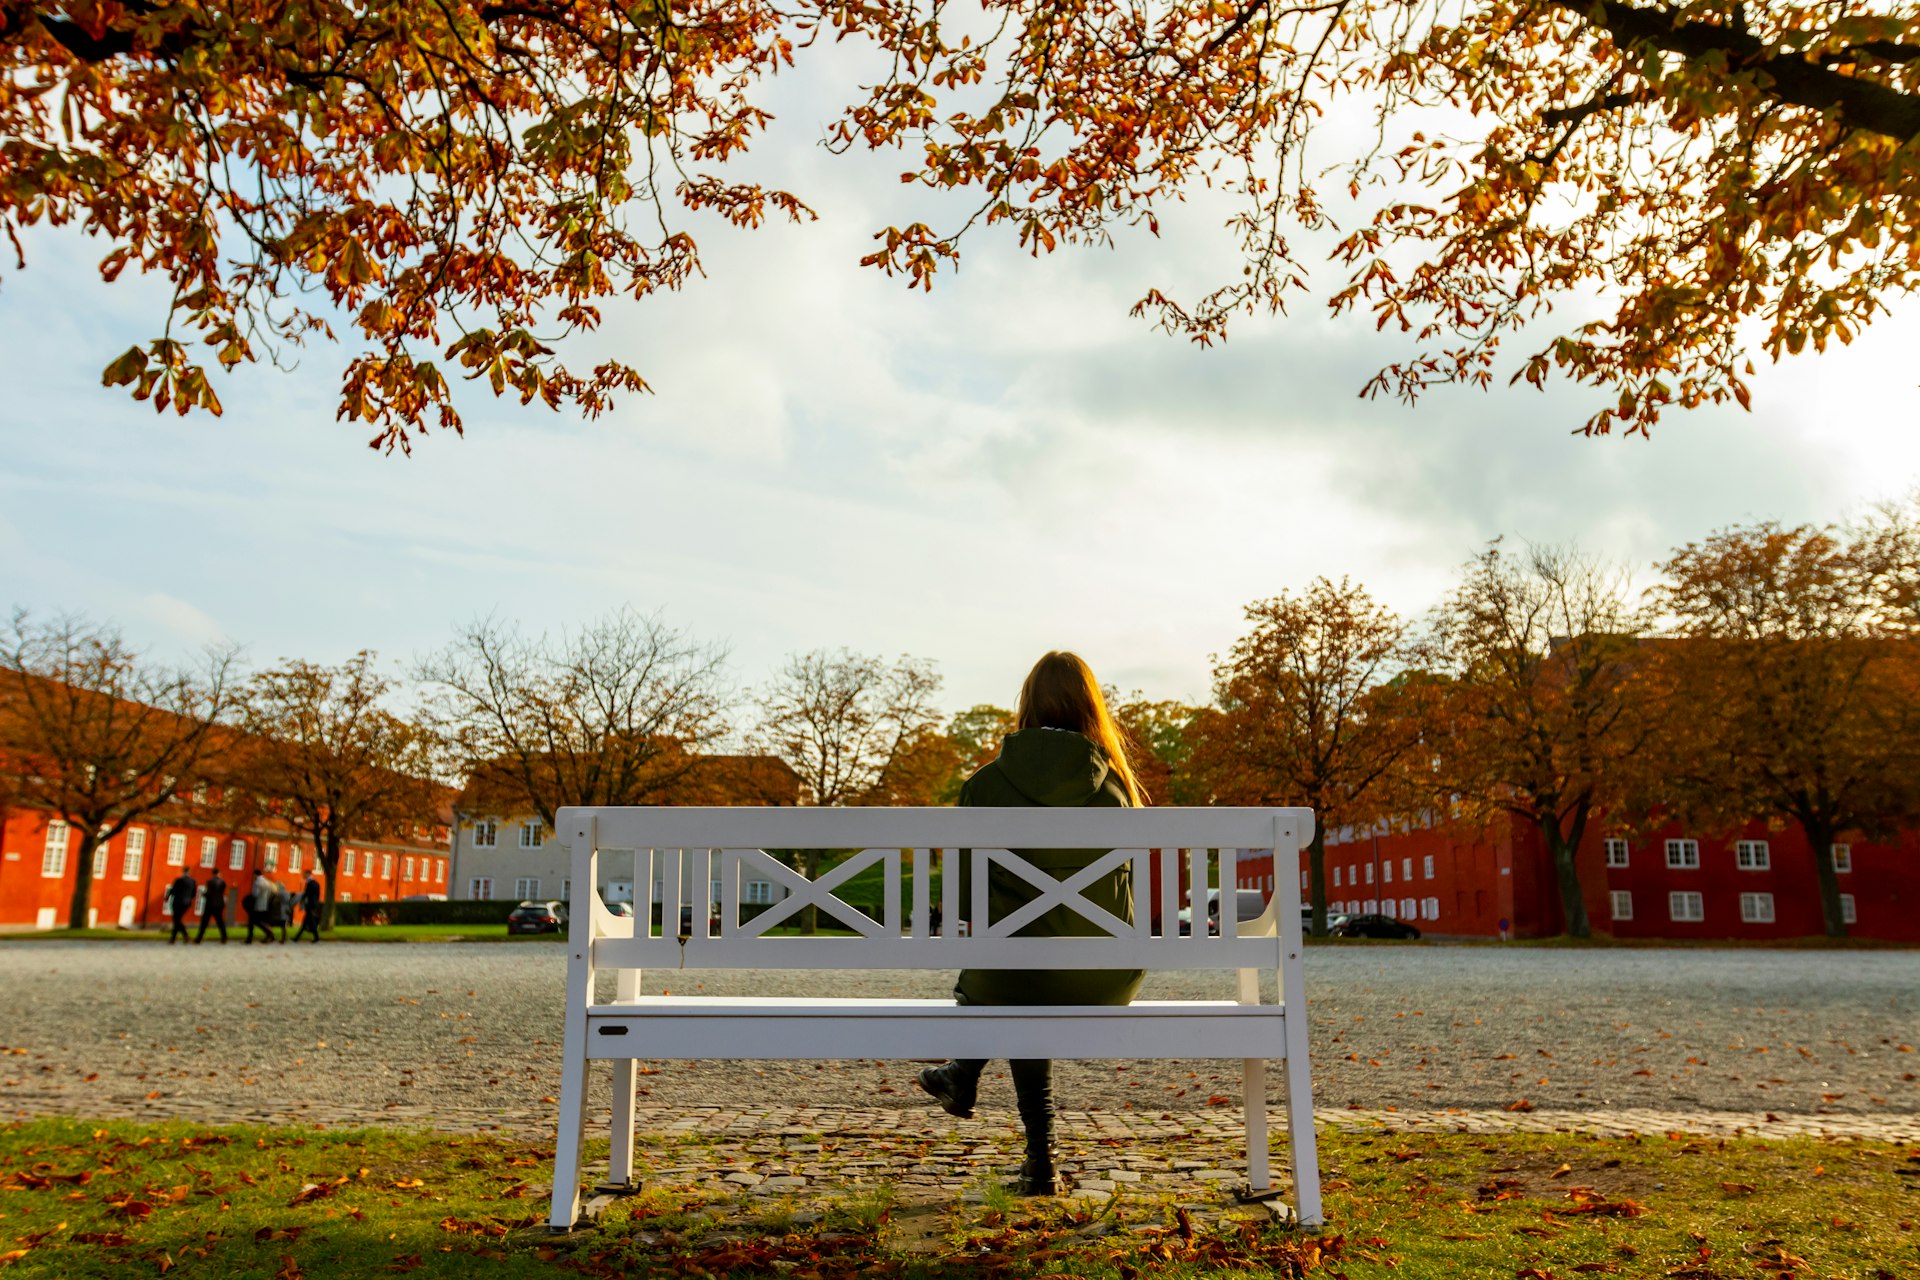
[[467, 1035]]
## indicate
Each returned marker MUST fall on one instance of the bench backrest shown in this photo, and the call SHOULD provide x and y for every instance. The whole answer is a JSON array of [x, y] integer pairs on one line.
[[1171, 850]]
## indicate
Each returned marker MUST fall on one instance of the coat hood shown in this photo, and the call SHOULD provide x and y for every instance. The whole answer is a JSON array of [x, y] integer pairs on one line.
[[1053, 767]]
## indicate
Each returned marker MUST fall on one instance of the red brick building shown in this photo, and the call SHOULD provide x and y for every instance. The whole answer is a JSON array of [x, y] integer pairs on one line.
[[131, 872], [1749, 883]]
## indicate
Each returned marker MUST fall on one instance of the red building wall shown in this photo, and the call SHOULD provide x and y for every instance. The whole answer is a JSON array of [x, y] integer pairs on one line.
[[32, 899], [1464, 882]]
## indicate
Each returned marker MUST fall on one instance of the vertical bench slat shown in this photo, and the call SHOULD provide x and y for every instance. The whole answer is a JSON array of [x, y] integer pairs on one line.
[[921, 924], [890, 880], [950, 914], [1169, 892]]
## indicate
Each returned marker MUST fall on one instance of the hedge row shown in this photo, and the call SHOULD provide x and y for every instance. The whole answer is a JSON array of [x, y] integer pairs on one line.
[[455, 912]]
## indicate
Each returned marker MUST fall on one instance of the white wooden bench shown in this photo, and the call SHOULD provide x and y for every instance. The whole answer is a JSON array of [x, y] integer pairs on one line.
[[703, 847]]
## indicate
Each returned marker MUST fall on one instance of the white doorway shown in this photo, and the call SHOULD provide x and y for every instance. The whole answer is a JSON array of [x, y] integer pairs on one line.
[[126, 912]]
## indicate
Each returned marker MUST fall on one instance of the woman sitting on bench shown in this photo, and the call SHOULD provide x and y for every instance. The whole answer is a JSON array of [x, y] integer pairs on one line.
[[1065, 752]]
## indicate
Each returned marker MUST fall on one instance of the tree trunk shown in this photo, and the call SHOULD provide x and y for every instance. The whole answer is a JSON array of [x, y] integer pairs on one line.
[[1820, 837], [1573, 903], [83, 878], [810, 914], [327, 866], [1317, 875]]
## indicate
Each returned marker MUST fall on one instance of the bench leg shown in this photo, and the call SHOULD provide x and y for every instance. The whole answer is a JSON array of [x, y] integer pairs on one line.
[[1302, 1144], [1253, 1096], [620, 1146], [573, 1093]]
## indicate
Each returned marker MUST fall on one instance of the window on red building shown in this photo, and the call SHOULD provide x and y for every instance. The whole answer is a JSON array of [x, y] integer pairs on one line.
[[348, 862], [1842, 859], [100, 861], [1846, 909], [1756, 908], [1683, 855], [176, 851], [1622, 904], [135, 854], [271, 855], [53, 857], [209, 850], [1752, 855], [1429, 866], [1686, 907], [237, 855], [1616, 853]]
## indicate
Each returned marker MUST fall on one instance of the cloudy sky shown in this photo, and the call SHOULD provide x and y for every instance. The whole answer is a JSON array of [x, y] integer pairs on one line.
[[1007, 465]]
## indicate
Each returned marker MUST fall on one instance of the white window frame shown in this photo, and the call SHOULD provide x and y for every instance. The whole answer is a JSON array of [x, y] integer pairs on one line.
[[533, 834], [1683, 855], [53, 854], [1336, 878], [135, 856], [1368, 866], [1428, 866], [100, 852], [386, 866], [1386, 872], [293, 858], [1752, 855], [1430, 908], [759, 891], [1409, 909], [1842, 859], [1620, 903], [1756, 908], [1686, 906], [1848, 914], [1406, 869], [1390, 909], [1618, 854], [480, 888], [209, 851], [270, 856], [177, 850], [486, 834], [237, 855], [406, 867], [527, 888], [347, 862], [566, 891]]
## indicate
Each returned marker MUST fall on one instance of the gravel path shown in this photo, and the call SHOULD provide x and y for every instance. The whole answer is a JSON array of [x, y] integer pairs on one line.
[[225, 1032]]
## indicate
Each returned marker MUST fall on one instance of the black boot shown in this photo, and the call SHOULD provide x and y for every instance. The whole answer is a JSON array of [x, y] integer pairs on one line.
[[1033, 1088], [954, 1086]]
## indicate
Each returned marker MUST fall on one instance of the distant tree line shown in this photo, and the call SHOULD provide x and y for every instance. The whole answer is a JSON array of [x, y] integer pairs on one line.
[[1769, 672]]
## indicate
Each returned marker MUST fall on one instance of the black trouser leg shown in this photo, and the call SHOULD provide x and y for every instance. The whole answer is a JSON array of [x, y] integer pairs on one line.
[[1033, 1091], [179, 930]]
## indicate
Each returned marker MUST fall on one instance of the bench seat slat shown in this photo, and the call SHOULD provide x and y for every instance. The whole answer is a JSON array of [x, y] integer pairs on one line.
[[678, 1029]]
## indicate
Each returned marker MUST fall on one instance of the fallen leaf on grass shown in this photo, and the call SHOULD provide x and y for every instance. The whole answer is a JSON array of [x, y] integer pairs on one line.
[[1562, 1171], [110, 1239], [406, 1262], [289, 1269], [1520, 1104], [1737, 1188], [289, 1234]]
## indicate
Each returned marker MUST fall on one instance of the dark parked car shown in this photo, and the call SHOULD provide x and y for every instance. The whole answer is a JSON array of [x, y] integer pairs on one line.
[[1372, 927], [538, 917]]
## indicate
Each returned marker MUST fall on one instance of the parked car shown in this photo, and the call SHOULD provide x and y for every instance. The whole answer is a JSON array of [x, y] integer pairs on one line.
[[538, 917], [620, 908], [1249, 903], [1372, 926]]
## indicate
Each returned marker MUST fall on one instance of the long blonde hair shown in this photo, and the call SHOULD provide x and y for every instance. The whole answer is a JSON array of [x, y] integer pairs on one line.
[[1061, 693]]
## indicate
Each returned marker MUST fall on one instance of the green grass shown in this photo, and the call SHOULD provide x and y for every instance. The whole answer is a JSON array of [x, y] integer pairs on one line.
[[339, 933], [82, 1199]]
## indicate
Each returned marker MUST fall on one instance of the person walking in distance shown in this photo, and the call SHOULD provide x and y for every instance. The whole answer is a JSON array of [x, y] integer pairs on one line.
[[309, 909], [213, 908], [1066, 751], [179, 902], [258, 906], [280, 910]]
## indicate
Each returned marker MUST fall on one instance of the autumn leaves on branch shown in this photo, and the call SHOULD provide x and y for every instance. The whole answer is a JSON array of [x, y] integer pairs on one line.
[[462, 187]]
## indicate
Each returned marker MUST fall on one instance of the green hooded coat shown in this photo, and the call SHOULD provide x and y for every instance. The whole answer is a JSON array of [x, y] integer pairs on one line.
[[1052, 768]]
